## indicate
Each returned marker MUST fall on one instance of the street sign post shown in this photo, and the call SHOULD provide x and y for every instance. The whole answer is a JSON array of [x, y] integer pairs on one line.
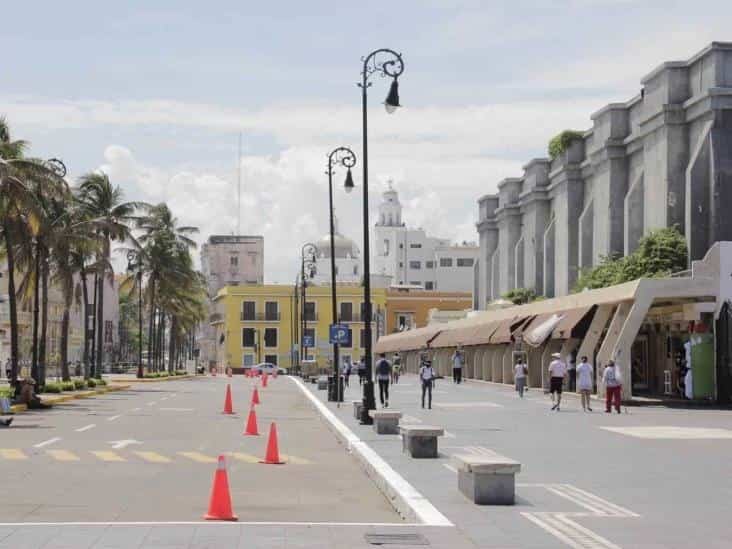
[[340, 334]]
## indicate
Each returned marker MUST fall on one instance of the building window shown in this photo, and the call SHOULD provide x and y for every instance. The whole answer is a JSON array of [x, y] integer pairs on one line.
[[362, 341], [401, 265], [404, 322], [248, 360], [415, 246], [247, 337], [429, 285], [107, 331], [234, 261], [465, 262], [429, 265], [401, 246], [271, 311], [271, 359], [386, 247], [415, 265], [446, 262], [310, 314], [416, 282], [270, 337], [248, 310], [346, 312], [355, 270]]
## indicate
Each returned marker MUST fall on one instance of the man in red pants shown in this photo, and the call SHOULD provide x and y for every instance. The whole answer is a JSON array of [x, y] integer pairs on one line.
[[613, 386]]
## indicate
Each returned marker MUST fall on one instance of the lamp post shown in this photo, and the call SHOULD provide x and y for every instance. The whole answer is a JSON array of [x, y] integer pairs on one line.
[[308, 255], [386, 63], [134, 263], [345, 157]]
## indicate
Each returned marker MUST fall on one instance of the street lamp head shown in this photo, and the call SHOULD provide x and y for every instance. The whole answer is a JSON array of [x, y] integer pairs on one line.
[[349, 185], [392, 100]]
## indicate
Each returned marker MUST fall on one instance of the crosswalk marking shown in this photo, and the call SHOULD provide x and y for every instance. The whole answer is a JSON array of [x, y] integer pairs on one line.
[[106, 455], [200, 458], [246, 458], [152, 457], [12, 453], [63, 455]]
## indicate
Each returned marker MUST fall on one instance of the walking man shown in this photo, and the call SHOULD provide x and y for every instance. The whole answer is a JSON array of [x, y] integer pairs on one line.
[[584, 383], [361, 369], [397, 367], [426, 376], [383, 375], [458, 358], [520, 372], [557, 372], [613, 386]]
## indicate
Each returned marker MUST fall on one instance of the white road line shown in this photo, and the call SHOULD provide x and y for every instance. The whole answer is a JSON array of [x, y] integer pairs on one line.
[[214, 525], [449, 467], [153, 403], [391, 483], [135, 409], [46, 442], [581, 502], [114, 417], [86, 428], [607, 507]]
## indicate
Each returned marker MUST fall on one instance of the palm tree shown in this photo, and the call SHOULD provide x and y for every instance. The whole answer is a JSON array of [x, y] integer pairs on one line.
[[103, 203]]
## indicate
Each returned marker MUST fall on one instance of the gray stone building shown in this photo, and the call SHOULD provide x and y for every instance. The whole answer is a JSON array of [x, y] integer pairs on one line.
[[661, 159]]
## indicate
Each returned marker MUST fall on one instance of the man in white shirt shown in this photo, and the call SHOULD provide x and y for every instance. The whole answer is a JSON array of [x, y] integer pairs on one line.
[[584, 382], [457, 365], [557, 371], [519, 376], [426, 375]]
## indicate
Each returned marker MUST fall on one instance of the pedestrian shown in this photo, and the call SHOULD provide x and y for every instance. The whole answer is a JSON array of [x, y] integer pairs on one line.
[[5, 409], [557, 372], [361, 369], [427, 377], [520, 371], [346, 373], [613, 386], [584, 383], [396, 368], [458, 359], [8, 368], [383, 375], [572, 371]]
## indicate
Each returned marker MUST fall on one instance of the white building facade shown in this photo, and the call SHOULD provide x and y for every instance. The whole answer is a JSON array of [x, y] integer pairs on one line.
[[411, 257], [347, 259]]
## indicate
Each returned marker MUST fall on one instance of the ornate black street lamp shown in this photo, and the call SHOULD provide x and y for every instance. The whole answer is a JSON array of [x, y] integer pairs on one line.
[[387, 63], [308, 256], [345, 157], [134, 264]]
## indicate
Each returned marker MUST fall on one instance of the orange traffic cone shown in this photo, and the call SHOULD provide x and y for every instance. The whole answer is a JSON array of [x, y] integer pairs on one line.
[[219, 508], [273, 453], [255, 397], [251, 428], [264, 379], [228, 407]]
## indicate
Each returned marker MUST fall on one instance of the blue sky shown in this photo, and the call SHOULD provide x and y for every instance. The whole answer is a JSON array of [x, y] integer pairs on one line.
[[156, 92]]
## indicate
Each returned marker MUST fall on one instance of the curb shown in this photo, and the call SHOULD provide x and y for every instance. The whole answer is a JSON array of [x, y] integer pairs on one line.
[[406, 499], [19, 408], [157, 379]]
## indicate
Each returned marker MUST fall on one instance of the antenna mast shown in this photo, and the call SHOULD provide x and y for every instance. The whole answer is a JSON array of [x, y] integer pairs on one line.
[[238, 189]]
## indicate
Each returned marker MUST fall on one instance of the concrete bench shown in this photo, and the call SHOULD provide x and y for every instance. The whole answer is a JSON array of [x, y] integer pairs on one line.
[[487, 480], [420, 441], [357, 407], [313, 379], [322, 383], [386, 422]]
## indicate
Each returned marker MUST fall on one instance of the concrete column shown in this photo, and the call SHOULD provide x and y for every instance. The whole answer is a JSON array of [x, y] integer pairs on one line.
[[495, 288], [549, 264], [586, 236], [509, 232], [592, 337], [634, 209], [608, 344], [721, 193], [497, 365], [518, 254]]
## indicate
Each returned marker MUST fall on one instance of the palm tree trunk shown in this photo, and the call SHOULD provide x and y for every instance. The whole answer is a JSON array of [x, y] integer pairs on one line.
[[100, 318], [13, 305], [85, 292], [171, 344], [92, 339], [65, 343], [44, 319], [36, 311], [151, 322]]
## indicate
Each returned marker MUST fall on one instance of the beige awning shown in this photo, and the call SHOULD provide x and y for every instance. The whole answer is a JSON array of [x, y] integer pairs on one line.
[[470, 335], [505, 329], [570, 320], [407, 341]]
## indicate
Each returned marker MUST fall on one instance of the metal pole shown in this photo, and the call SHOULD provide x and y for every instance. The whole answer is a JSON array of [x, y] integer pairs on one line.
[[140, 373], [333, 291]]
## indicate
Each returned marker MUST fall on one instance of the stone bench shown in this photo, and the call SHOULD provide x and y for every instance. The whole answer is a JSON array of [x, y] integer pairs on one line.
[[322, 383], [386, 422], [420, 441], [487, 480], [357, 407], [313, 379]]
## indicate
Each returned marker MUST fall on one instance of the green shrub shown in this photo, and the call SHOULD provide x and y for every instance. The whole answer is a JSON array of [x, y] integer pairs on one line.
[[520, 296], [80, 384], [91, 382], [67, 386], [101, 382], [6, 392], [181, 372], [560, 143], [53, 388]]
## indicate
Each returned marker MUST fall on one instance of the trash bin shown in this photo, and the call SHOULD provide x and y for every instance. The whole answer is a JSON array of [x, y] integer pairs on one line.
[[334, 396]]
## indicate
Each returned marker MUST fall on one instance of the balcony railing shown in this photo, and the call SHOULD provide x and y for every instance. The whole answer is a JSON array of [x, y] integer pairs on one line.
[[260, 317]]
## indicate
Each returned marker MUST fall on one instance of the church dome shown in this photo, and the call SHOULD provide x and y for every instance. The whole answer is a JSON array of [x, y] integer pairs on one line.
[[345, 248]]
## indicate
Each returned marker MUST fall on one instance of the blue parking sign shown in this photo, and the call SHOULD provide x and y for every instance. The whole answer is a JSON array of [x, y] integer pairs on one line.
[[308, 341], [340, 334]]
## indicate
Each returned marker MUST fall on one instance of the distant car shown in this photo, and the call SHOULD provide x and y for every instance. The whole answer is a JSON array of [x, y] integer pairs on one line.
[[267, 367]]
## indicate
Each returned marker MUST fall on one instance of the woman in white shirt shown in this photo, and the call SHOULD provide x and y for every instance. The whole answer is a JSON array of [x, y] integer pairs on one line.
[[584, 383], [519, 376], [426, 375]]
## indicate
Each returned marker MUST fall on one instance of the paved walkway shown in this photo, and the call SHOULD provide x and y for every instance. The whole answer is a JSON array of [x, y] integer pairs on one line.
[[647, 478]]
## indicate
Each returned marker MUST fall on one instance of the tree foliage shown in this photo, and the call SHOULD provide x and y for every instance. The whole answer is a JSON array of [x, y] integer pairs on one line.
[[561, 142], [659, 253]]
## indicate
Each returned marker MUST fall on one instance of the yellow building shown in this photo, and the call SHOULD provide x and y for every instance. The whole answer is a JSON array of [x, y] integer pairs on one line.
[[261, 323]]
